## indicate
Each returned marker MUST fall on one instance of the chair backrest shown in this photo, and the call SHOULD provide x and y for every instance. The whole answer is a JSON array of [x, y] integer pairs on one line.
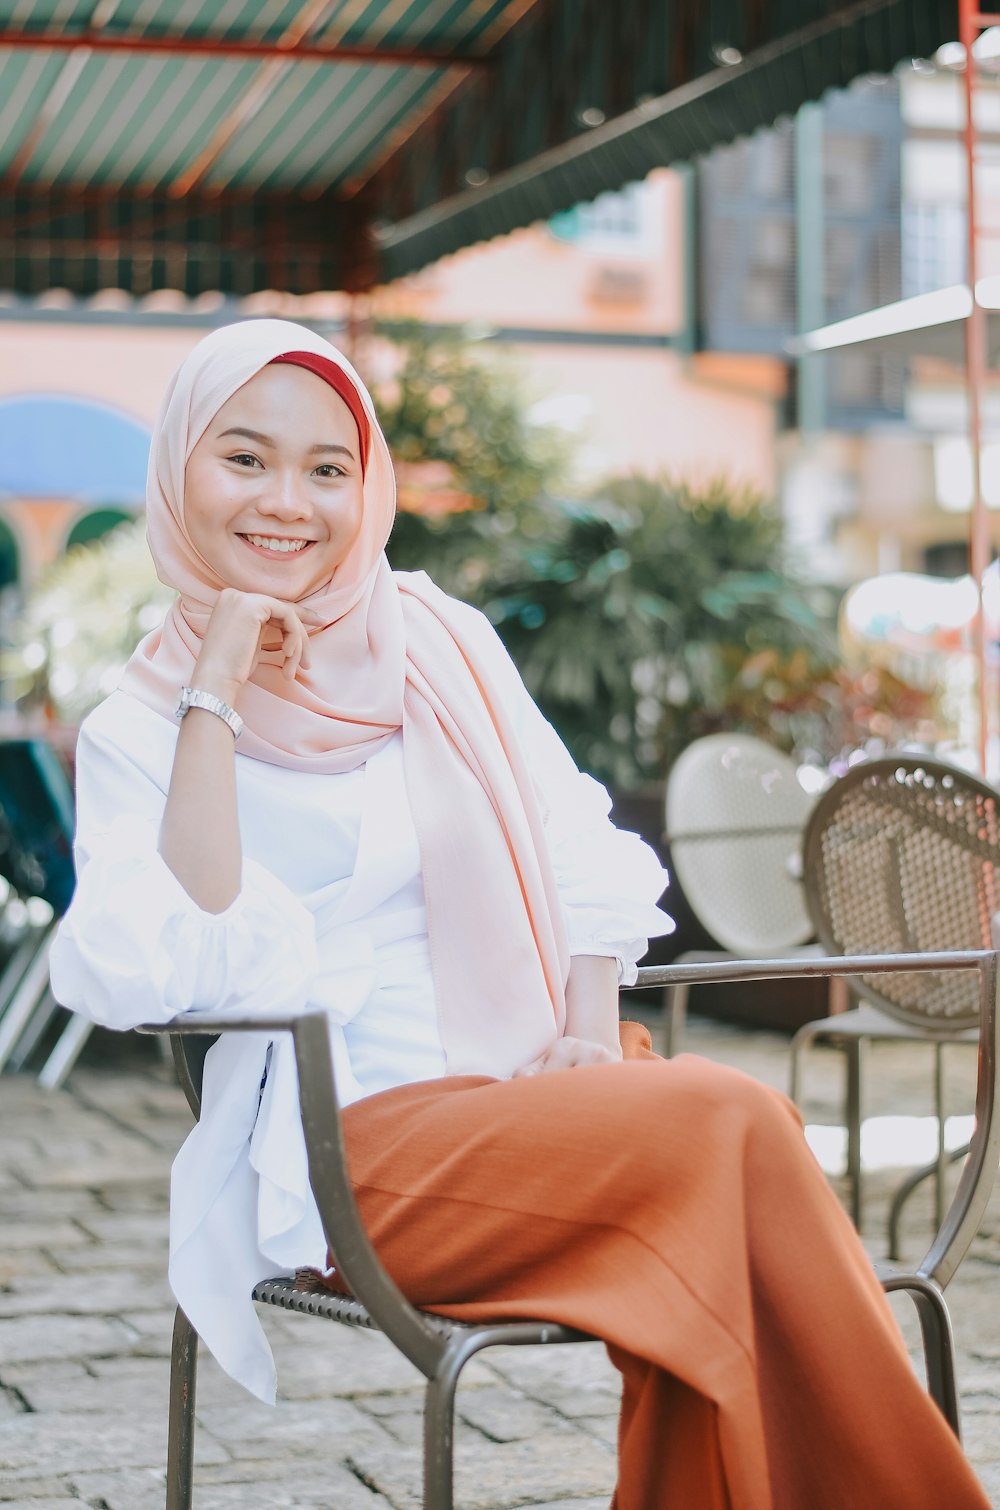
[[901, 854], [735, 812], [36, 822]]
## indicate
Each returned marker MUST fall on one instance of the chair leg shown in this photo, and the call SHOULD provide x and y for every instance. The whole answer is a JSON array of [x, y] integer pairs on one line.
[[34, 1032], [942, 1152], [855, 1061], [803, 1039], [938, 1340], [31, 987], [180, 1430], [907, 1188], [439, 1437], [66, 1052], [675, 1000]]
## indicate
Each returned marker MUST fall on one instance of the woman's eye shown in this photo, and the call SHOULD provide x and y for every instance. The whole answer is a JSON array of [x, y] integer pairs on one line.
[[330, 469], [244, 459]]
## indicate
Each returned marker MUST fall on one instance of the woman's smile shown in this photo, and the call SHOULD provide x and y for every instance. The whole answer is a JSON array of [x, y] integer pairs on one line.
[[275, 545]]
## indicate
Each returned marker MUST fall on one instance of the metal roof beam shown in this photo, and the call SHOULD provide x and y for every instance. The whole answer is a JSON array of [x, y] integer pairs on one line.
[[239, 49]]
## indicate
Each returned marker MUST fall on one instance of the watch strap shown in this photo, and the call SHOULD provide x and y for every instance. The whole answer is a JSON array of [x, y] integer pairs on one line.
[[193, 697]]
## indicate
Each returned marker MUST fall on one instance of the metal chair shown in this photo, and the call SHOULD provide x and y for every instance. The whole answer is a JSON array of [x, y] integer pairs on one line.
[[901, 854], [36, 859], [440, 1348], [735, 813]]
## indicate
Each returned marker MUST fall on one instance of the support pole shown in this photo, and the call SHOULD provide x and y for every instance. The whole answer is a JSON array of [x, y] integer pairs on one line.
[[970, 23]]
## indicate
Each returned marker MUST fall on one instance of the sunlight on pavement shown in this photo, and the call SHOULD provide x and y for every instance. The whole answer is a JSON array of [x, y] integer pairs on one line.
[[887, 1142]]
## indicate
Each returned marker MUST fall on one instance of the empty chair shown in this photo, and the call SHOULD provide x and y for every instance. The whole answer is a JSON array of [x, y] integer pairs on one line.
[[735, 814], [901, 854]]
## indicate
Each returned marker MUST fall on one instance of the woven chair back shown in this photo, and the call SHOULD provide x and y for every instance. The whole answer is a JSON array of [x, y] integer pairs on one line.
[[903, 854]]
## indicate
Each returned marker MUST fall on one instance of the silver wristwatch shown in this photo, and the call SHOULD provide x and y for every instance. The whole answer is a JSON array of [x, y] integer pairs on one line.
[[191, 697]]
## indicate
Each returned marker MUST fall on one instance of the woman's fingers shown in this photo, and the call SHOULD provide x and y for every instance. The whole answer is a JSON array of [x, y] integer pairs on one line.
[[567, 1054], [249, 628]]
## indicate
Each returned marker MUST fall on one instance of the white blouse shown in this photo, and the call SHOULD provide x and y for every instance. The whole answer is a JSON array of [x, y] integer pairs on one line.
[[331, 917]]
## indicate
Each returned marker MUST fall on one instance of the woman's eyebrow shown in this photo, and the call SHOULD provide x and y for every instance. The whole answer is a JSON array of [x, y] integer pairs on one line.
[[267, 440], [255, 435]]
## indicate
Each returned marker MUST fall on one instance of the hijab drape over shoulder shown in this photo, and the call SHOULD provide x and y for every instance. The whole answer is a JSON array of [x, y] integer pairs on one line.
[[393, 652]]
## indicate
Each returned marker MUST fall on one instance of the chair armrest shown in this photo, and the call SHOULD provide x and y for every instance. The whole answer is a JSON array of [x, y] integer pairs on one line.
[[195, 1023], [968, 1206], [357, 1261]]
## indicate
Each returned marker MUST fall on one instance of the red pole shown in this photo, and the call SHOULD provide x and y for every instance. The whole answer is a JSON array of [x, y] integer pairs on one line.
[[969, 21]]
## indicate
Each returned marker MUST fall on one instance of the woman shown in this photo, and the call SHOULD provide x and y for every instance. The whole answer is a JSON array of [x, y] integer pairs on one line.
[[396, 837]]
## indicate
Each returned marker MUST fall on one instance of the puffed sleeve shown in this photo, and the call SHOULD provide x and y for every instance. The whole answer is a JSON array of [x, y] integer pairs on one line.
[[609, 880], [133, 946]]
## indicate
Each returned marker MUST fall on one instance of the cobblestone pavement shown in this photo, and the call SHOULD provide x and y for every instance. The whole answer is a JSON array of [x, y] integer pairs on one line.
[[85, 1319]]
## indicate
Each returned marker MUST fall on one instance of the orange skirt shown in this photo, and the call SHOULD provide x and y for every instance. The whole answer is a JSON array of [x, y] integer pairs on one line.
[[672, 1208]]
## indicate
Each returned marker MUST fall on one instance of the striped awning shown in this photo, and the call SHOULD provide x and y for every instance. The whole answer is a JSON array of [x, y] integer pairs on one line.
[[238, 145]]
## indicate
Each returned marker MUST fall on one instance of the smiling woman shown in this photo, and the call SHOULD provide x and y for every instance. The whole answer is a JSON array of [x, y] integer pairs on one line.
[[400, 842]]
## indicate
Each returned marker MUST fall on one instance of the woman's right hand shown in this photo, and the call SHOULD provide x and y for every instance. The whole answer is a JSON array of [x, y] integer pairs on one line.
[[247, 630]]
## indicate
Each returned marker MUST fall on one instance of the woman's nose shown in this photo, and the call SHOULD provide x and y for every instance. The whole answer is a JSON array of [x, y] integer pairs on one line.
[[285, 498]]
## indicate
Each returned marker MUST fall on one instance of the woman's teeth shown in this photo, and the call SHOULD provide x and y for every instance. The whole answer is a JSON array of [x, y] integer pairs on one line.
[[267, 543]]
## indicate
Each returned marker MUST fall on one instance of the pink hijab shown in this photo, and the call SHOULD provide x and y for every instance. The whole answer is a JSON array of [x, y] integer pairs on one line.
[[395, 653]]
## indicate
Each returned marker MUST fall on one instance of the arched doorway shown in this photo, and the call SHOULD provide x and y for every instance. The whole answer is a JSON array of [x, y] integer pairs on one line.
[[95, 525], [10, 557]]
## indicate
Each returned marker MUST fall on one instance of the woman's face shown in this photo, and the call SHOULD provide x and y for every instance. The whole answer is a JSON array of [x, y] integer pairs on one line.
[[273, 489]]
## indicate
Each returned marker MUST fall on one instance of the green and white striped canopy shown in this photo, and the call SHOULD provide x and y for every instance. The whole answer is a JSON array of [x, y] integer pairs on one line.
[[307, 144]]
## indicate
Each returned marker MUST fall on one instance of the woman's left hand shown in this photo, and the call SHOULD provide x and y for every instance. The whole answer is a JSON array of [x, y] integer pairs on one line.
[[568, 1054]]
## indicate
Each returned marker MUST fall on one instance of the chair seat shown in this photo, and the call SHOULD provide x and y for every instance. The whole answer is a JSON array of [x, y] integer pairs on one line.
[[312, 1298]]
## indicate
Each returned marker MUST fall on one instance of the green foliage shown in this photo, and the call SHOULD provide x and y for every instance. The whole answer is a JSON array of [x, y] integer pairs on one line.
[[443, 405], [82, 622], [659, 612]]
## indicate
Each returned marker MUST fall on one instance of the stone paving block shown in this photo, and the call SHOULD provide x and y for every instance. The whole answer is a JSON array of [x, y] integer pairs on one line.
[[147, 1229], [83, 1295], [19, 1202], [153, 1331], [108, 1396], [489, 1476], [322, 1358], [55, 1370], [320, 1428], [505, 1415], [132, 1167], [125, 1489], [67, 1444], [27, 1338], [98, 1258], [281, 1482], [24, 1261], [600, 1503], [574, 1366], [65, 1503], [604, 1428], [11, 1404], [33, 1489], [49, 1236]]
